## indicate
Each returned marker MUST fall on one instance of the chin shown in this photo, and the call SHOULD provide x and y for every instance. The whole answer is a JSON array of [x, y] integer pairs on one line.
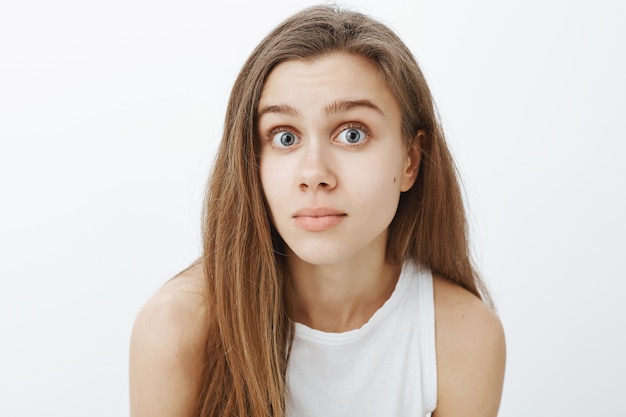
[[319, 256]]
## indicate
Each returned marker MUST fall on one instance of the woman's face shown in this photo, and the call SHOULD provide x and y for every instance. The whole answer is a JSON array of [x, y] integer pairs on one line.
[[333, 162]]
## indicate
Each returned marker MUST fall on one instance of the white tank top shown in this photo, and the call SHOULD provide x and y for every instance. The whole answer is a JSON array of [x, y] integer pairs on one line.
[[388, 367]]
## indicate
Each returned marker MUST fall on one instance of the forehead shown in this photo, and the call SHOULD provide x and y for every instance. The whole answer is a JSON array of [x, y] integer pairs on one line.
[[326, 78]]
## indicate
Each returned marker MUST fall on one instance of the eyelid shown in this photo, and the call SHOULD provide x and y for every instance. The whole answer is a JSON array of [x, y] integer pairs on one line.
[[271, 135], [353, 125]]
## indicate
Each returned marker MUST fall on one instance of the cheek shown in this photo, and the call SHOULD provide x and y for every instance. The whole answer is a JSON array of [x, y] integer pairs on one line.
[[271, 185], [386, 171], [378, 188], [264, 175], [381, 185]]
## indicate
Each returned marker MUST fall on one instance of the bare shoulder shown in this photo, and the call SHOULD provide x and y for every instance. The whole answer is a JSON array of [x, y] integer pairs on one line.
[[167, 348], [177, 309], [471, 353]]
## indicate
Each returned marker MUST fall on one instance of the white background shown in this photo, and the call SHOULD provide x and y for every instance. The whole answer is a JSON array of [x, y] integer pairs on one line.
[[110, 113]]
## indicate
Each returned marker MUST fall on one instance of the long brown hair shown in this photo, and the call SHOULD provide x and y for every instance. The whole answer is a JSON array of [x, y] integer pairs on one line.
[[249, 330]]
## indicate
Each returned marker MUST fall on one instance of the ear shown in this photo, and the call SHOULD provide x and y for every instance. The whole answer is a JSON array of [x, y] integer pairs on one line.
[[412, 162]]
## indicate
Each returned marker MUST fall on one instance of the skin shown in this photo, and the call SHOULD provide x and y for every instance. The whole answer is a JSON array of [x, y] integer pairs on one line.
[[166, 349], [332, 202]]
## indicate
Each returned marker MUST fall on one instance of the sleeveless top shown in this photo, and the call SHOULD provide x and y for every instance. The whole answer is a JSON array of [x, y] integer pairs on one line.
[[388, 367]]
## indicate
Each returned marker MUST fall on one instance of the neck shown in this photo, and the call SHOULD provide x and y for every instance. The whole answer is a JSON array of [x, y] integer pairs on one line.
[[338, 298]]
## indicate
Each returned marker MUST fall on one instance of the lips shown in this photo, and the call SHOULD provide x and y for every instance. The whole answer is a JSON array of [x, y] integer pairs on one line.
[[318, 219]]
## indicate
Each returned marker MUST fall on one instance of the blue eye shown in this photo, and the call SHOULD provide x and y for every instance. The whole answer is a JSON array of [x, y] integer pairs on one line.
[[352, 136], [284, 139]]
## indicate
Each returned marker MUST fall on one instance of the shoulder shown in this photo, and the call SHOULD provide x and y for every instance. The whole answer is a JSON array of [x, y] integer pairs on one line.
[[177, 309], [471, 353], [167, 348]]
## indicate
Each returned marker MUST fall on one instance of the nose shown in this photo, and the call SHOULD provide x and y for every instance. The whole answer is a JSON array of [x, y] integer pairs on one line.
[[315, 170]]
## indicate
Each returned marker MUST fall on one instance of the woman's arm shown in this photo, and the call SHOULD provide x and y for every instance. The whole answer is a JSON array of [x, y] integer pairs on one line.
[[166, 352], [471, 354]]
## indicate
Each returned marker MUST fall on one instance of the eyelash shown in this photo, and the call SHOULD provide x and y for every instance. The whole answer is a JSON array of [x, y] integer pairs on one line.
[[358, 126], [351, 125], [273, 132]]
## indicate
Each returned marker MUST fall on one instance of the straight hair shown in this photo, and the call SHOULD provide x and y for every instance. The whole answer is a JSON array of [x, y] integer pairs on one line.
[[249, 331]]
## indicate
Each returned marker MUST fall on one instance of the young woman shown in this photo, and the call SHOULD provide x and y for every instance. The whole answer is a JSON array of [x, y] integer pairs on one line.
[[335, 278]]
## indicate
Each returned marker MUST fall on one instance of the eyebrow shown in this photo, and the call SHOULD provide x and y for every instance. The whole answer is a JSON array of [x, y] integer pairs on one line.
[[345, 105], [278, 109], [332, 108]]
